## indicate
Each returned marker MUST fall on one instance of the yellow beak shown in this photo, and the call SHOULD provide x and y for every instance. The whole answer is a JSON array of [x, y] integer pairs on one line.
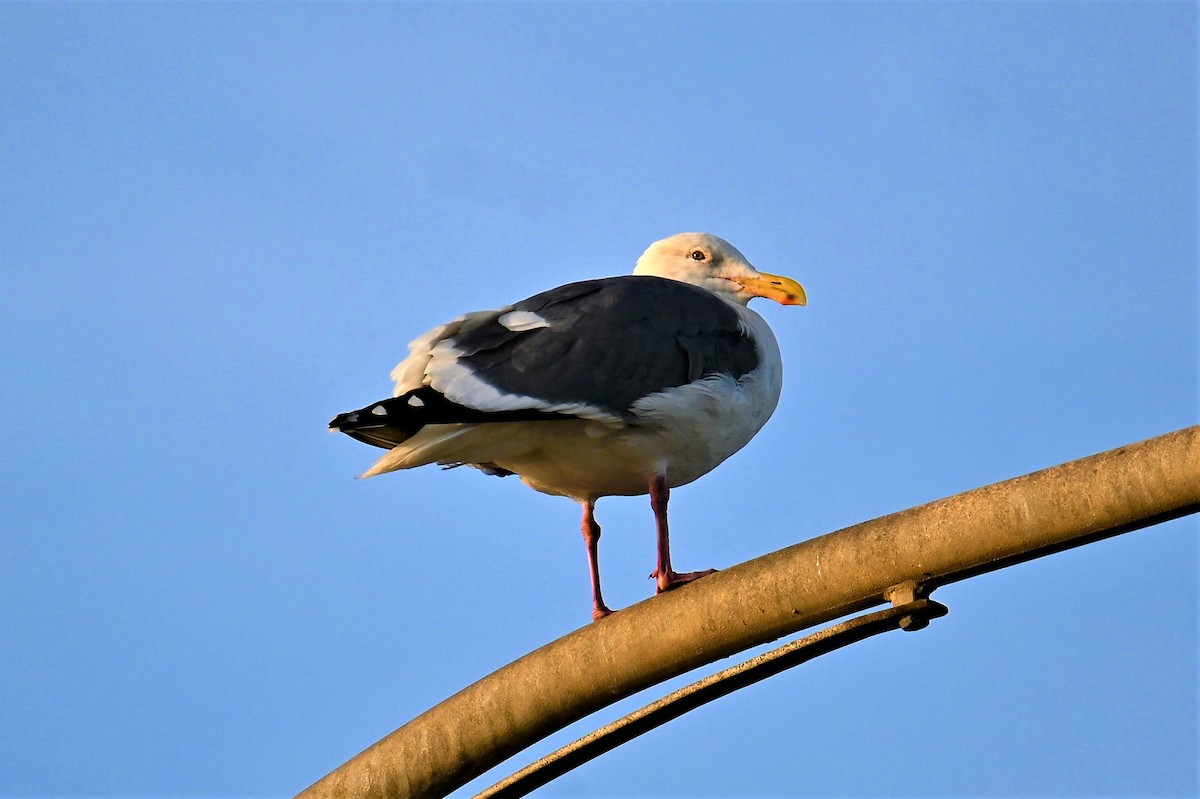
[[783, 290]]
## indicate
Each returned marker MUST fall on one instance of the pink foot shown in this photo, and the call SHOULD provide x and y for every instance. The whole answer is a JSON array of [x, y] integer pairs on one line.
[[672, 580], [599, 612]]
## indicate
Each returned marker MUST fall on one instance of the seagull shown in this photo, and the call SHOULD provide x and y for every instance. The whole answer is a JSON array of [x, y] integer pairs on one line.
[[620, 386]]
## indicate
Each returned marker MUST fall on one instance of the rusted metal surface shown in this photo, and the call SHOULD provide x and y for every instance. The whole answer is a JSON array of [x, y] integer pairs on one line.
[[763, 599]]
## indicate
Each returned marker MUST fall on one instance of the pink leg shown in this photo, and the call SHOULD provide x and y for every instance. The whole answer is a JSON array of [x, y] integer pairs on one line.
[[667, 578], [591, 537]]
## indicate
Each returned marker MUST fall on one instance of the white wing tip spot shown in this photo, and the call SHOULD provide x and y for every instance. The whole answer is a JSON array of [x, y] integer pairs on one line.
[[416, 402], [379, 410]]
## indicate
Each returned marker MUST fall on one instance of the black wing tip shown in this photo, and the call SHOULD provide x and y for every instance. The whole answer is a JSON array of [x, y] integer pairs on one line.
[[401, 411], [374, 429], [392, 421], [342, 421]]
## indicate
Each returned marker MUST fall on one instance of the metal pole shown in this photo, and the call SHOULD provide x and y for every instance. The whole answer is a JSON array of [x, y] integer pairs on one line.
[[714, 686], [763, 599]]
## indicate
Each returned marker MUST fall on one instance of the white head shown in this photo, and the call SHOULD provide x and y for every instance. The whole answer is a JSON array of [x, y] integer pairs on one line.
[[710, 262]]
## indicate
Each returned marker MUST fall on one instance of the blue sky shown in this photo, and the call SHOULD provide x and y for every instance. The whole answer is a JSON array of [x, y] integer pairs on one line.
[[223, 223]]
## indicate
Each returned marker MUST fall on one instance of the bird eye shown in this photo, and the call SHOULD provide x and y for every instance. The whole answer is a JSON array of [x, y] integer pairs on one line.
[[698, 255]]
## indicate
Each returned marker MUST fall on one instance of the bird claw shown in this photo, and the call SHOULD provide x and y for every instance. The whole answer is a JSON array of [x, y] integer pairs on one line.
[[672, 580], [600, 611]]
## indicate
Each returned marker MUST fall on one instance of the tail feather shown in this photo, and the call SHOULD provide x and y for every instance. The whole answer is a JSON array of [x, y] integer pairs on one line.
[[423, 450]]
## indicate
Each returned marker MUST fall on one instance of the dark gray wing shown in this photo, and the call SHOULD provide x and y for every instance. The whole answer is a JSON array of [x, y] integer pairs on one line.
[[609, 342]]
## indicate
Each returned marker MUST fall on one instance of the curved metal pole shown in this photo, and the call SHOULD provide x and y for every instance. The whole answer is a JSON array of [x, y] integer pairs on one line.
[[712, 687], [760, 600]]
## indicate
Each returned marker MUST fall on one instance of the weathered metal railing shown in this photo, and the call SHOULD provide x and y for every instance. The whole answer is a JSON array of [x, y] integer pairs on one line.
[[758, 601]]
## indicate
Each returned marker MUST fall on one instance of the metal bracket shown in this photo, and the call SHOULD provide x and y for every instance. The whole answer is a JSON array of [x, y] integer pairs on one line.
[[911, 592]]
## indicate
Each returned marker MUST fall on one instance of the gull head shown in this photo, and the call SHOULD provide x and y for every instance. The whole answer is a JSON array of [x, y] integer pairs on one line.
[[710, 262]]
